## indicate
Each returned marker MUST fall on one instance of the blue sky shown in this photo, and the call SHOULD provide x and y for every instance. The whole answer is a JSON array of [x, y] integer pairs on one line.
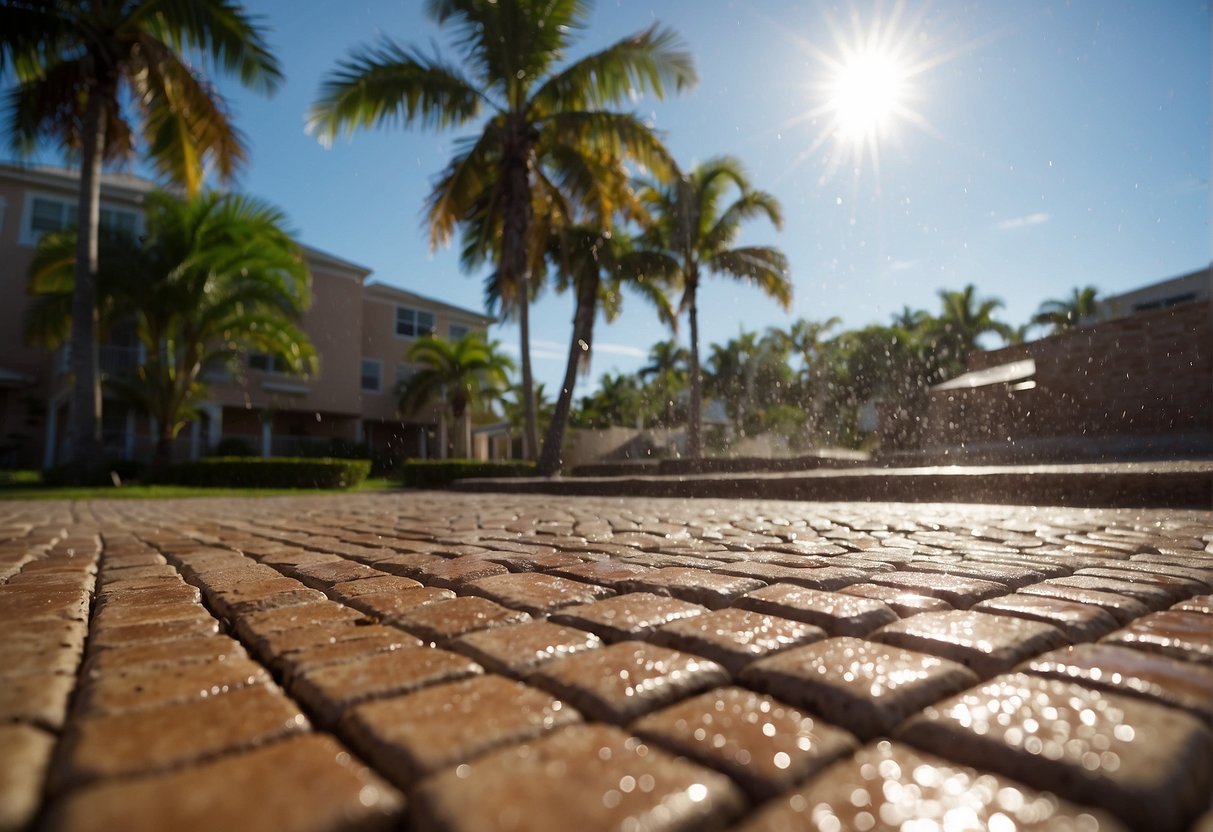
[[1053, 144]]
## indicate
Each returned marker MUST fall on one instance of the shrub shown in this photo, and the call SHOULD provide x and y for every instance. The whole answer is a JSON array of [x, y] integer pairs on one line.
[[432, 473], [233, 446], [280, 472], [113, 472]]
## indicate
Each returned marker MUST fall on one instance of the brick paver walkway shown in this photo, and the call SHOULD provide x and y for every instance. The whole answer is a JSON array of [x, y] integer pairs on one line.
[[478, 662]]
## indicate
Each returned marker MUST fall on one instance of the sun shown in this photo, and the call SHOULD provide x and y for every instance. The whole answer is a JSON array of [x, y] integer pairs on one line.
[[866, 88], [866, 95]]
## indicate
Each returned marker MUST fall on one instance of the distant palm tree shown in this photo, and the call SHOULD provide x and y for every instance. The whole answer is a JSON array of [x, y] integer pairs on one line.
[[95, 76], [211, 277], [509, 51], [963, 319], [457, 375], [1066, 313], [666, 379], [693, 233]]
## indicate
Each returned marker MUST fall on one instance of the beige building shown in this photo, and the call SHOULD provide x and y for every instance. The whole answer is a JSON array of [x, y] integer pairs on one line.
[[361, 332]]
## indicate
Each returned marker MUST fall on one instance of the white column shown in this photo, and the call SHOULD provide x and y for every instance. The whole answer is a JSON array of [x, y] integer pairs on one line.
[[267, 435], [442, 439], [359, 433], [215, 429], [195, 439], [423, 449]]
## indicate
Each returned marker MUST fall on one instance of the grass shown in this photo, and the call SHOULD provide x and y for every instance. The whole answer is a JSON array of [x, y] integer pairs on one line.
[[24, 487]]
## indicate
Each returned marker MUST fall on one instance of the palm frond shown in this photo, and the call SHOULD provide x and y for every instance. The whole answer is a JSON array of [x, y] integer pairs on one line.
[[220, 29], [386, 84], [764, 266], [187, 122], [652, 60]]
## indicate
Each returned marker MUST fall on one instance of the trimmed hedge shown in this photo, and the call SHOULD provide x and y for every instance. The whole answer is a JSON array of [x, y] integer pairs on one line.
[[439, 473], [277, 472]]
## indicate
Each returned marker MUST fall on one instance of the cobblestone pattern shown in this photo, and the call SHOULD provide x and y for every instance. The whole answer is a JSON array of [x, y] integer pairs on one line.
[[472, 662]]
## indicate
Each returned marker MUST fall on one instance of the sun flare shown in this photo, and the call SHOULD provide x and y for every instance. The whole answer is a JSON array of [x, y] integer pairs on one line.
[[866, 94]]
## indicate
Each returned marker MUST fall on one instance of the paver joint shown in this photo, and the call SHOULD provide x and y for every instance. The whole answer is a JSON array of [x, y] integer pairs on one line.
[[486, 661]]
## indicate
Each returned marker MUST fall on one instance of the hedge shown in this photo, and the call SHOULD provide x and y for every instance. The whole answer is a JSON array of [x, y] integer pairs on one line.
[[276, 472], [433, 473]]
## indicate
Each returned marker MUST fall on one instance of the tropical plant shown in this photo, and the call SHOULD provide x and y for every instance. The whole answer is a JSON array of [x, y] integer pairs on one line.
[[536, 113], [458, 375], [211, 277], [749, 374], [95, 77], [1062, 314], [963, 319], [617, 401], [693, 234], [666, 380]]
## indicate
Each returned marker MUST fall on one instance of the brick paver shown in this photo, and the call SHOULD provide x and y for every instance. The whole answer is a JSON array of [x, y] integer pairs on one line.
[[513, 662]]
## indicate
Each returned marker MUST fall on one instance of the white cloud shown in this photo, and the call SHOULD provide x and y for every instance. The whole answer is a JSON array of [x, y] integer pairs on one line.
[[620, 349], [1023, 222], [896, 265], [545, 350]]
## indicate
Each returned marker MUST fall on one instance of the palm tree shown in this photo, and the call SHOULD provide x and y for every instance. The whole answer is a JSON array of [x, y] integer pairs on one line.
[[96, 76], [693, 233], [963, 320], [598, 264], [509, 51], [458, 374], [211, 277], [666, 376], [1065, 313]]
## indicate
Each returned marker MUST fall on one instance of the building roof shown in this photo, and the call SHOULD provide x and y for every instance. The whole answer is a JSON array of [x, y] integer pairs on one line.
[[1002, 374], [394, 294]]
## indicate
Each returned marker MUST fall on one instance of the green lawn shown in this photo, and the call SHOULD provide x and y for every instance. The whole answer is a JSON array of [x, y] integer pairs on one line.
[[24, 487]]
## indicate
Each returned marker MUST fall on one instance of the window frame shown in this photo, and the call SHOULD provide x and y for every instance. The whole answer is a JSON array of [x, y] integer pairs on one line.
[[27, 236], [415, 314], [362, 376]]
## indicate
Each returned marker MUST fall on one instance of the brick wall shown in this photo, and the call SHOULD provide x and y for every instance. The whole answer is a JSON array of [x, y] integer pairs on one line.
[[1146, 379]]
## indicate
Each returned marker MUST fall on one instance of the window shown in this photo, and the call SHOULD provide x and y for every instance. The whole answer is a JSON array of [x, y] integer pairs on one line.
[[457, 331], [372, 375], [413, 323], [47, 214], [267, 363]]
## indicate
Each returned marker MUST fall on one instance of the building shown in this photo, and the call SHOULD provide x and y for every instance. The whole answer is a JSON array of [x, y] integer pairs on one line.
[[360, 330], [1136, 380]]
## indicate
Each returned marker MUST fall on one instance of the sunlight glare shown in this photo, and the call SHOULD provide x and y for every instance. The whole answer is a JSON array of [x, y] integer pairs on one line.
[[865, 95]]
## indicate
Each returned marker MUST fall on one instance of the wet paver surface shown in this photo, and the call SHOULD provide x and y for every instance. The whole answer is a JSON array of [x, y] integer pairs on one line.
[[489, 661]]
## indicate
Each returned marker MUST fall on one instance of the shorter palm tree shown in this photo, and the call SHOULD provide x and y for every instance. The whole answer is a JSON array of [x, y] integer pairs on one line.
[[963, 319], [694, 232], [212, 277], [1065, 313], [457, 376]]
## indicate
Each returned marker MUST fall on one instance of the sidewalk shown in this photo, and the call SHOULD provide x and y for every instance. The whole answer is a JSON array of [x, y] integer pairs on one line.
[[1119, 484], [490, 661]]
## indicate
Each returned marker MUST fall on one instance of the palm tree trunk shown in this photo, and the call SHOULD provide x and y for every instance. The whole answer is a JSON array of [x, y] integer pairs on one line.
[[694, 437], [84, 414], [514, 270], [551, 459]]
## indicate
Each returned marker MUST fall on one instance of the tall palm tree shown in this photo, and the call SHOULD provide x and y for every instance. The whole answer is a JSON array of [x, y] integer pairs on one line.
[[693, 234], [95, 77], [457, 374], [1064, 313], [211, 277], [963, 319], [509, 51]]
